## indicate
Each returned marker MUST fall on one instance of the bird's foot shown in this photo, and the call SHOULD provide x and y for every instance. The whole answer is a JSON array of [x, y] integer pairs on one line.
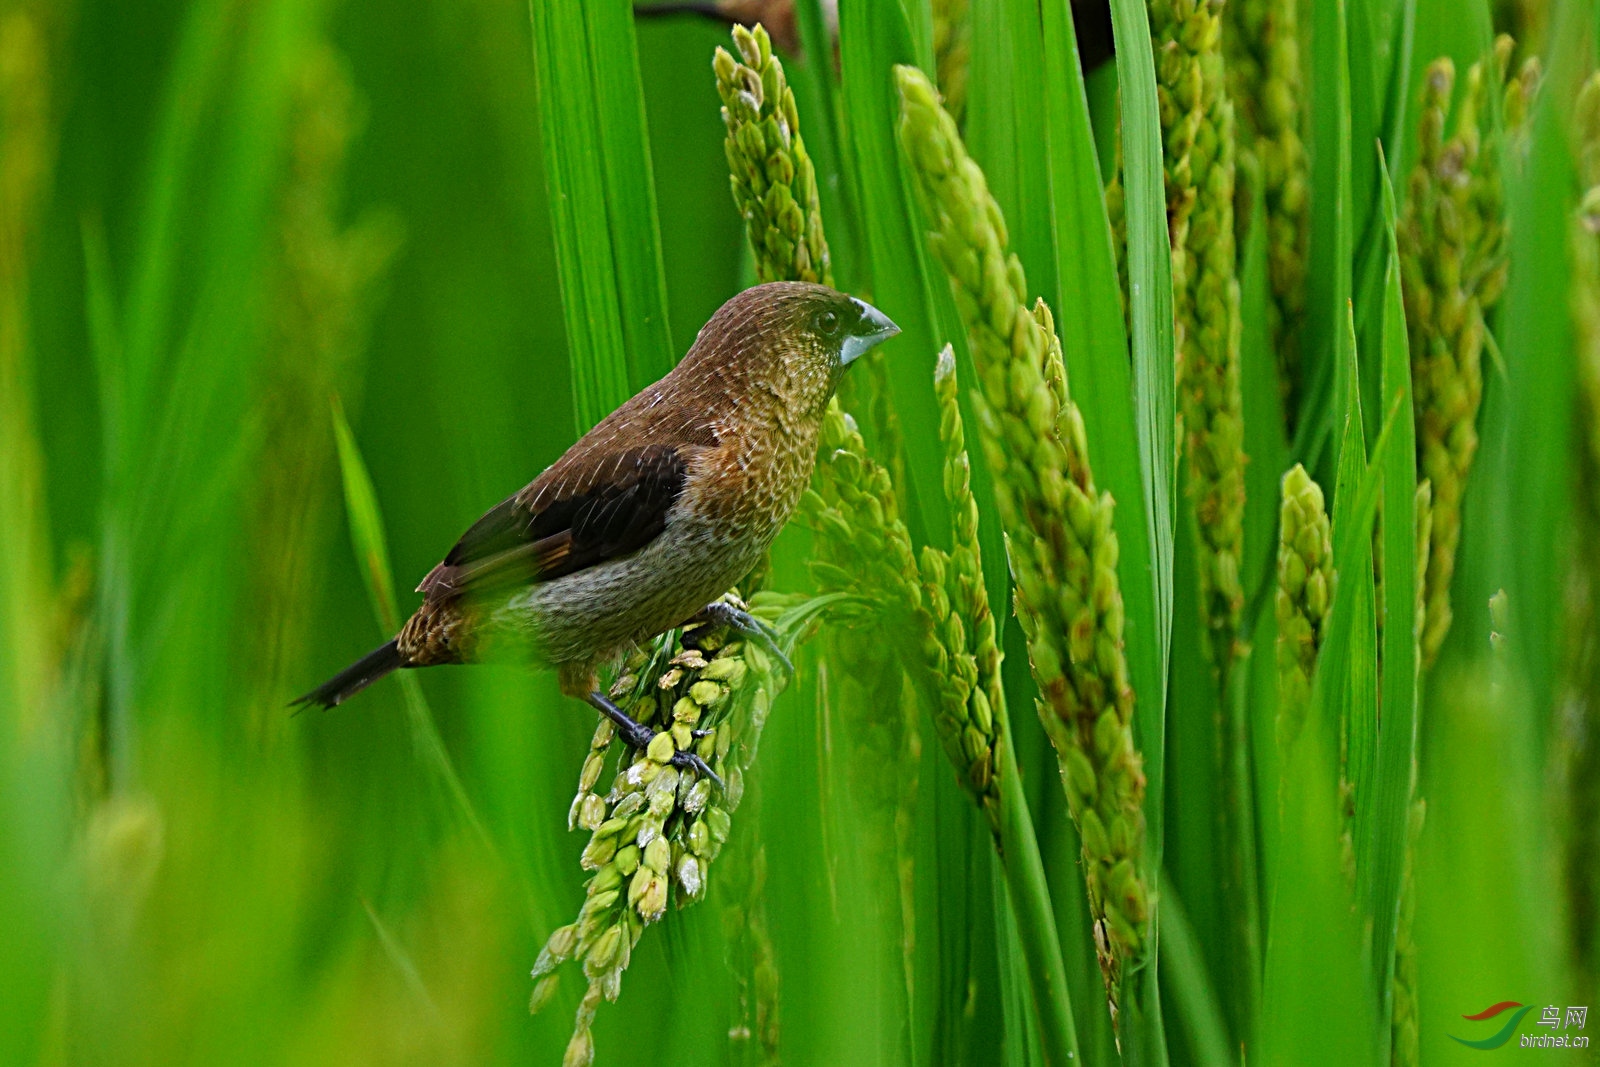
[[727, 613], [638, 736]]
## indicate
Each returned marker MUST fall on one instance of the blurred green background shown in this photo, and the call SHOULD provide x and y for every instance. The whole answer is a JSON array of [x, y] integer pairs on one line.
[[269, 205]]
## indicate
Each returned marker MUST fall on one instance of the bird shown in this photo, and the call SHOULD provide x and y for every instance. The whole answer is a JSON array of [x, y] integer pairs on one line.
[[778, 16], [652, 516]]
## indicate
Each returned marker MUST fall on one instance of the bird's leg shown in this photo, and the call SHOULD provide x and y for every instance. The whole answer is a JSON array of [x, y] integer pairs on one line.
[[638, 736], [735, 618]]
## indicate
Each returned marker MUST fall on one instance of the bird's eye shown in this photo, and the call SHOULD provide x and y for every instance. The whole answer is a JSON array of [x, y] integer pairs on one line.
[[828, 324]]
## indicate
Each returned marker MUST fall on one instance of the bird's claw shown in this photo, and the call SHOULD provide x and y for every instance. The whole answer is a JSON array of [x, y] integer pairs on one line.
[[634, 734], [688, 760], [742, 622], [638, 736]]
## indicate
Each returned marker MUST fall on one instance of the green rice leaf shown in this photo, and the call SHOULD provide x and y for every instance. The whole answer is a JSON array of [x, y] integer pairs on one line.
[[371, 547], [1385, 807], [1320, 428], [1369, 90], [1004, 133], [366, 525], [1315, 1009], [872, 39], [1357, 709], [1264, 440], [630, 189], [1537, 338], [1183, 970], [602, 203], [1315, 966], [1150, 313], [1095, 344], [1268, 448]]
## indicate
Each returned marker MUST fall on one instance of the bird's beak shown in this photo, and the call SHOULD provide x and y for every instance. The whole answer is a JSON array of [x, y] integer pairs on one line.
[[875, 328]]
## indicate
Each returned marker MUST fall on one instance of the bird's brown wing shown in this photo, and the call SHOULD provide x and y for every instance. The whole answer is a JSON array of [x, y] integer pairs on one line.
[[573, 516]]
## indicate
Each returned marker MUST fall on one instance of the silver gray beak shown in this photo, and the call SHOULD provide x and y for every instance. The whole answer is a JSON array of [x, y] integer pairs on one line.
[[875, 328]]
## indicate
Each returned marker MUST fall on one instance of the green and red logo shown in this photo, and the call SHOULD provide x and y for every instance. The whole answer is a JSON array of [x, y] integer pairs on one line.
[[1552, 1018], [1506, 1030]]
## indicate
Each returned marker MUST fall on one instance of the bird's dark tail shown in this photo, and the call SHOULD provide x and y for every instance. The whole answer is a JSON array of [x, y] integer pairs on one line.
[[707, 8], [354, 678]]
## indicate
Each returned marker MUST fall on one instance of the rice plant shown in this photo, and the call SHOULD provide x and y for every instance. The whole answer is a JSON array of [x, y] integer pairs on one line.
[[1192, 612]]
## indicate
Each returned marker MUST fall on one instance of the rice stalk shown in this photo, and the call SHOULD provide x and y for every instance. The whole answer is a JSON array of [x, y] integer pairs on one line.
[[1060, 539], [654, 833], [1261, 40], [775, 191], [1404, 1034], [1304, 595], [1197, 126], [863, 548], [952, 52], [1454, 256]]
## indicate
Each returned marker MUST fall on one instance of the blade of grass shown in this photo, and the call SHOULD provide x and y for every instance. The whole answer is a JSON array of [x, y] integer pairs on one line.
[[1358, 710], [1183, 968], [366, 525], [1539, 356], [1319, 428], [630, 191], [1385, 808], [1315, 967], [1268, 449], [370, 544], [1012, 153], [1388, 128], [1264, 440], [1150, 312], [1367, 83], [192, 341], [593, 255], [1095, 343], [1315, 1008], [872, 39], [1192, 744], [1035, 920], [1003, 131], [1015, 59], [817, 95], [1154, 381], [1021, 1047], [197, 69], [1402, 50]]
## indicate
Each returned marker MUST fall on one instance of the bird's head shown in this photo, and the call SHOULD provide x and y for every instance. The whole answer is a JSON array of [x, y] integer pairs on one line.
[[793, 338]]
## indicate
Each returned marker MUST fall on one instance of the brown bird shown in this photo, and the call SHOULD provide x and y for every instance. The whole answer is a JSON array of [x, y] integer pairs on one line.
[[653, 515], [778, 16]]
